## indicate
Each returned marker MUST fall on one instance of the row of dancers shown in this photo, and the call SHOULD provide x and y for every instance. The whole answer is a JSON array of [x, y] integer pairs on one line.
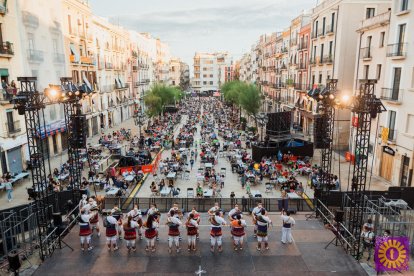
[[133, 223]]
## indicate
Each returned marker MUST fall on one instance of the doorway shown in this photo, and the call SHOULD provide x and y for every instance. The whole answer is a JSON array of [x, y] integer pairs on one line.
[[386, 166]]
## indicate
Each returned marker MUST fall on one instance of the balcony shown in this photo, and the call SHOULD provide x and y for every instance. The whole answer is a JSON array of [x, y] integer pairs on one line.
[[314, 35], [30, 20], [87, 60], [312, 61], [328, 59], [6, 49], [329, 30], [3, 7], [303, 46], [134, 68], [303, 65], [321, 32], [379, 20], [285, 50], [13, 128], [397, 50], [58, 58], [109, 66], [283, 67], [365, 54], [35, 55], [393, 95], [300, 87], [6, 95]]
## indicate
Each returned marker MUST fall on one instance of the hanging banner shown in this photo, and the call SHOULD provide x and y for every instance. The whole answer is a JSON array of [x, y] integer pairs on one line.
[[392, 254], [355, 121], [384, 134]]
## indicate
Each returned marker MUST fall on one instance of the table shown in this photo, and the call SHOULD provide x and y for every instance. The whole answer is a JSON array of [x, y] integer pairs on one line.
[[129, 178], [171, 175], [281, 180], [293, 196], [208, 165], [256, 193], [19, 176], [165, 191], [63, 176], [200, 177], [208, 193], [112, 191]]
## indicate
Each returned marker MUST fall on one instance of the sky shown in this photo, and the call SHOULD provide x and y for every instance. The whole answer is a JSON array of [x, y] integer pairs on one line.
[[203, 25]]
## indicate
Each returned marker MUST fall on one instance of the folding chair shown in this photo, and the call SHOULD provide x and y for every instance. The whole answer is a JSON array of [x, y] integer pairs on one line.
[[221, 154], [218, 193], [223, 171], [187, 175], [190, 192]]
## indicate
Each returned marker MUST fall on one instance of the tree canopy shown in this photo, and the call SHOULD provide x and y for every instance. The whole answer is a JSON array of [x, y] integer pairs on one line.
[[246, 96], [159, 96]]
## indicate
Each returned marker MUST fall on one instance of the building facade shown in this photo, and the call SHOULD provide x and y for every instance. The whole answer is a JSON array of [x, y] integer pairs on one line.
[[211, 70]]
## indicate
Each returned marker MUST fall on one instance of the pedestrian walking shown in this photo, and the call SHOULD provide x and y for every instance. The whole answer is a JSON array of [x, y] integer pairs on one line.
[[9, 190], [288, 223], [192, 162]]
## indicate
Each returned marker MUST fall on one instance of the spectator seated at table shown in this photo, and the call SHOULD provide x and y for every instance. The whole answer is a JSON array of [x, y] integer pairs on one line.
[[153, 188], [170, 183], [119, 183]]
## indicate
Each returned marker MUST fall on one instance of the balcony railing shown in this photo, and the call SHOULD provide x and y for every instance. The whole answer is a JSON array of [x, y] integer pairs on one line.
[[321, 32], [314, 35], [397, 50], [329, 29], [30, 20], [328, 59], [303, 45], [312, 61], [6, 48], [35, 55], [380, 19], [303, 65], [13, 127], [58, 58], [7, 94], [88, 60], [365, 53], [392, 94]]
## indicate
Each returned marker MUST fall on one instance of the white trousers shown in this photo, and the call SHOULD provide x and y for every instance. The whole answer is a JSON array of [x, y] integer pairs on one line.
[[85, 238], [238, 240], [262, 239], [110, 240], [130, 243], [215, 240], [151, 242], [287, 235], [175, 239], [192, 240]]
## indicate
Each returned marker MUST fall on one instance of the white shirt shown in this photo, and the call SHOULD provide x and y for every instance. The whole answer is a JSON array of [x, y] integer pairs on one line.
[[256, 211], [135, 214], [85, 218], [265, 218], [287, 219], [112, 220], [367, 236], [175, 220], [152, 211], [214, 209], [219, 220], [134, 224], [234, 211], [194, 222]]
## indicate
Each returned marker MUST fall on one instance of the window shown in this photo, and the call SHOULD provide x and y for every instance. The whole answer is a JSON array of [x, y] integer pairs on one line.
[[332, 21], [31, 41], [401, 34], [410, 124], [204, 83], [366, 71], [211, 83], [322, 46], [313, 79], [316, 28], [404, 5], [382, 39], [330, 48], [204, 68], [320, 78], [197, 75], [211, 75], [379, 67], [204, 75], [323, 25], [370, 12], [392, 115]]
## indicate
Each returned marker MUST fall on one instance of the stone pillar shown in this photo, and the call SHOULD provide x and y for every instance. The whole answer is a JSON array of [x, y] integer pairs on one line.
[[59, 142], [50, 141], [89, 127]]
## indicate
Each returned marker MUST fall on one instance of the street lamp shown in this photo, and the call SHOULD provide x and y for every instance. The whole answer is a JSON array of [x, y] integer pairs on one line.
[[262, 120], [139, 118]]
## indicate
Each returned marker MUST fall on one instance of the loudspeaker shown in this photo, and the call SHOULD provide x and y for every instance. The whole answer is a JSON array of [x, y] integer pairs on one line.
[[57, 219], [78, 128], [14, 260], [321, 137], [339, 216]]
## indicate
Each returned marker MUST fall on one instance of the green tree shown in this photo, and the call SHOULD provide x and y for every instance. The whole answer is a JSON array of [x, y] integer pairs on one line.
[[250, 100], [159, 97], [153, 105]]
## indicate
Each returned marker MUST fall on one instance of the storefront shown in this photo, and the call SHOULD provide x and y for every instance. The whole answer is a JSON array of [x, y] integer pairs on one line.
[[387, 163]]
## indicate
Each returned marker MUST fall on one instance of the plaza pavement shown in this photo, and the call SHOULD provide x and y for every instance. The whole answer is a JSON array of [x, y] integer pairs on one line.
[[306, 256]]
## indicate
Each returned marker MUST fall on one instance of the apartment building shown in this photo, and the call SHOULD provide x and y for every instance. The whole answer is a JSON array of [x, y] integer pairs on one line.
[[175, 72], [395, 148], [184, 76], [13, 139], [267, 70], [211, 70], [162, 62]]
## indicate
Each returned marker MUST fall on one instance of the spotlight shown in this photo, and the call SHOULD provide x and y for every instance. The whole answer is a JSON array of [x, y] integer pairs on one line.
[[345, 98], [53, 93]]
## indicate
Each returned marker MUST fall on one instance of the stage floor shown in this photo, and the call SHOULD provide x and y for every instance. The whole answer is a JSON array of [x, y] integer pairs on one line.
[[306, 256]]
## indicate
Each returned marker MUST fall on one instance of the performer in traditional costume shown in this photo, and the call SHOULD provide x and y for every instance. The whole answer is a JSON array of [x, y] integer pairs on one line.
[[150, 232], [83, 202], [111, 231], [94, 212], [85, 230], [237, 231], [214, 209], [130, 233], [197, 218], [136, 215], [255, 213], [234, 212], [192, 231], [173, 223], [216, 222], [153, 210], [288, 222], [117, 214], [263, 223]]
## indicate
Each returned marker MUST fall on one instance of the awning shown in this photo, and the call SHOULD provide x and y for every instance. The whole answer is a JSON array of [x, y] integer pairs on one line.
[[216, 94], [74, 52], [52, 129], [86, 81], [4, 72]]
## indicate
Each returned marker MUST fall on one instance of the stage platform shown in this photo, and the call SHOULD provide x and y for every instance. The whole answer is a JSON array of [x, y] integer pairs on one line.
[[306, 256]]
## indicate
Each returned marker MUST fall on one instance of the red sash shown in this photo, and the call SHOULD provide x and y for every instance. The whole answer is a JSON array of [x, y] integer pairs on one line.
[[191, 229], [130, 233], [150, 233]]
